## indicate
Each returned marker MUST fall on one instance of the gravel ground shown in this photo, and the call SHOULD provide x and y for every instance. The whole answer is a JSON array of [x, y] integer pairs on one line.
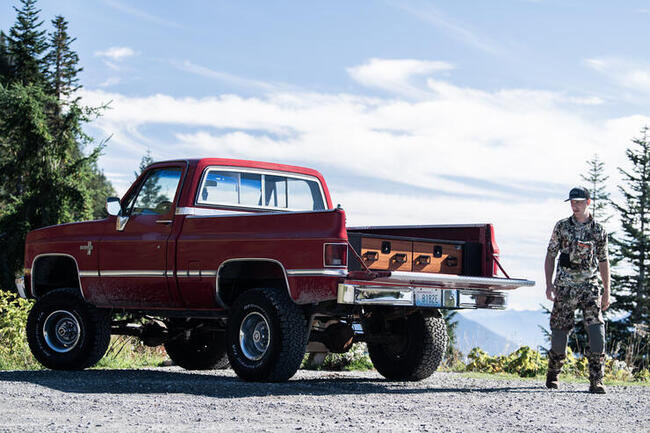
[[174, 400]]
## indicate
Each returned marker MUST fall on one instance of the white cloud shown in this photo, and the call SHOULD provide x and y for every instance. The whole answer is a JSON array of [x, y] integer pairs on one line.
[[116, 54], [395, 75], [458, 155], [629, 74]]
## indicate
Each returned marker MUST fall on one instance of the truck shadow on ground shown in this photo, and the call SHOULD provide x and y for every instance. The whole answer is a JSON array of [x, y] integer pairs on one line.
[[223, 385]]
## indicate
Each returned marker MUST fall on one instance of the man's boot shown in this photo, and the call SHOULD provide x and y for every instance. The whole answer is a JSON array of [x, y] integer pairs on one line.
[[555, 363], [596, 373]]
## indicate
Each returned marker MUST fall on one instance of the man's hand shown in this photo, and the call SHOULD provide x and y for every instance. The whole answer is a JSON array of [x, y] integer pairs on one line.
[[604, 302], [550, 293]]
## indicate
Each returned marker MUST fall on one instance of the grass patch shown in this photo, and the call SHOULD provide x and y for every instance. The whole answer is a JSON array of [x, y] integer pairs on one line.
[[126, 352], [542, 378]]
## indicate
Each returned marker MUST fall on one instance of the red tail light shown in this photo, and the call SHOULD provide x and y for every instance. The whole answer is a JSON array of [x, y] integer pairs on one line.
[[336, 254]]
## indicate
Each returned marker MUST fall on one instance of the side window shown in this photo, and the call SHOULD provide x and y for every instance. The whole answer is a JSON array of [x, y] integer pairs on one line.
[[230, 188], [157, 193], [304, 194], [275, 191], [251, 189], [220, 187]]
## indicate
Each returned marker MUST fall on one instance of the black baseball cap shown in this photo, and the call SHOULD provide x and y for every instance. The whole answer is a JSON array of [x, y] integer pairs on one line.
[[579, 193]]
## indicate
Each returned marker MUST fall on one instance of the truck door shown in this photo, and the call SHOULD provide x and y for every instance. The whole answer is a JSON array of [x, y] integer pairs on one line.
[[133, 253]]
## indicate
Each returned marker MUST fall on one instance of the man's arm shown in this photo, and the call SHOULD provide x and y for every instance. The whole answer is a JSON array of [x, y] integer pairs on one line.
[[603, 267], [549, 265]]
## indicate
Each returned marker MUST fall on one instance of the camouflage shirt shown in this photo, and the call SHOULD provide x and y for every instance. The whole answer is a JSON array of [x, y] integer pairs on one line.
[[586, 246]]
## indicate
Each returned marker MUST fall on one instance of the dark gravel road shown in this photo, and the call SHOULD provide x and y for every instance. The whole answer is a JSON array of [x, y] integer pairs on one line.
[[174, 400]]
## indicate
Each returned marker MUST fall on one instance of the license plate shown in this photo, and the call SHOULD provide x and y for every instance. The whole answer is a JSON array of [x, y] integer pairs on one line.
[[428, 297]]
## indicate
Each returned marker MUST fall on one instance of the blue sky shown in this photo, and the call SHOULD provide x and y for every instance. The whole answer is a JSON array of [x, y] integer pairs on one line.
[[417, 112]]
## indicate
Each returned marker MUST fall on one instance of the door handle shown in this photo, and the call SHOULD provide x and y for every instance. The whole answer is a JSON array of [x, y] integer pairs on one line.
[[163, 221]]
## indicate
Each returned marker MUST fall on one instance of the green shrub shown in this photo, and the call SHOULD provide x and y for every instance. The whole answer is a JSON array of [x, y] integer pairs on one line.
[[525, 362], [643, 375], [14, 350]]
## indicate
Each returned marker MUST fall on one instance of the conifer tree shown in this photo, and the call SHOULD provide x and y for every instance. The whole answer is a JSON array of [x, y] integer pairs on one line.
[[631, 285], [27, 45], [48, 177], [62, 62], [596, 182], [4, 58]]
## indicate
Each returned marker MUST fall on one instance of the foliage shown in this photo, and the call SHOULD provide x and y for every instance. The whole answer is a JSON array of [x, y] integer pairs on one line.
[[356, 358], [130, 352], [26, 47], [631, 288], [48, 175], [14, 350], [452, 324], [62, 61], [525, 362], [597, 179]]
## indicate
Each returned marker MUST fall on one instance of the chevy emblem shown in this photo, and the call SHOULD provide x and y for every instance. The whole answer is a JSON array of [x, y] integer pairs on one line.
[[88, 247]]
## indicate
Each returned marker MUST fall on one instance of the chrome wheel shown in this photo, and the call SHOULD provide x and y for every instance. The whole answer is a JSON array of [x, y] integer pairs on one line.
[[254, 336], [61, 331]]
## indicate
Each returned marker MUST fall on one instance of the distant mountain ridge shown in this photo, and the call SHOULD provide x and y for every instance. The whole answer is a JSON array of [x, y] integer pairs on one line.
[[471, 334], [500, 332]]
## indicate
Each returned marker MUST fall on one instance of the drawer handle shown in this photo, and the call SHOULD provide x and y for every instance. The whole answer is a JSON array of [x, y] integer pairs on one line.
[[423, 260], [399, 258], [371, 256]]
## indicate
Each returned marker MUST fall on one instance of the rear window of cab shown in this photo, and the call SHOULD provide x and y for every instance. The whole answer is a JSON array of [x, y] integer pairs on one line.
[[259, 190]]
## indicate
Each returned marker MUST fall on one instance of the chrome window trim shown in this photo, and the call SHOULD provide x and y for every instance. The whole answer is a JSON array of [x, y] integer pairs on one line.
[[132, 273], [317, 273], [31, 282], [334, 266], [191, 211], [89, 274], [261, 172], [249, 259], [250, 214]]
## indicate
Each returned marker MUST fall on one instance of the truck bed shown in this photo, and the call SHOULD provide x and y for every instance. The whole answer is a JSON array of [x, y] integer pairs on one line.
[[477, 249]]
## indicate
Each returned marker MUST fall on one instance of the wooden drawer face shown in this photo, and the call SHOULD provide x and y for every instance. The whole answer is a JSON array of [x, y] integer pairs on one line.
[[400, 257], [450, 260]]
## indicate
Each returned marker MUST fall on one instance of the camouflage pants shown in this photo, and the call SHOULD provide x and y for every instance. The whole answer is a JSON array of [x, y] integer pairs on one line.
[[586, 296], [596, 366]]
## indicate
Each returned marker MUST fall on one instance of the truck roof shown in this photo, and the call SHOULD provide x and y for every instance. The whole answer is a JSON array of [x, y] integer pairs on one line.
[[203, 162]]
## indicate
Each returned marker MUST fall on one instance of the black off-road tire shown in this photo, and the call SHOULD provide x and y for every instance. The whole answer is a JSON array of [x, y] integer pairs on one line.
[[202, 351], [281, 321], [88, 331], [423, 342]]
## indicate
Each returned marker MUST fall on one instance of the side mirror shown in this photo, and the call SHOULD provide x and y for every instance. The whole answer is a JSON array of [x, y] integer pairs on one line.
[[113, 206]]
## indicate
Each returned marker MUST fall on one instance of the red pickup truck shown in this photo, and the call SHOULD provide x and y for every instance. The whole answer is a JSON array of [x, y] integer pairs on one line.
[[250, 263]]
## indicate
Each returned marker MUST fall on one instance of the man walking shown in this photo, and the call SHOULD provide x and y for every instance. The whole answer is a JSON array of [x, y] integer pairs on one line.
[[582, 244]]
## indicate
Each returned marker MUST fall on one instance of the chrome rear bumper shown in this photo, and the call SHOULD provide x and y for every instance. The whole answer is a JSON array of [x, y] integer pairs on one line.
[[412, 296]]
